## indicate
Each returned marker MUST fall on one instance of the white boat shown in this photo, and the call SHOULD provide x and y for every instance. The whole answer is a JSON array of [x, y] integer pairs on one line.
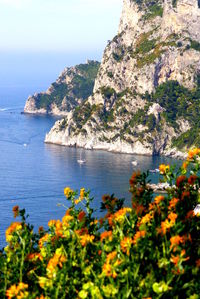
[[25, 144], [81, 161], [154, 170], [134, 163]]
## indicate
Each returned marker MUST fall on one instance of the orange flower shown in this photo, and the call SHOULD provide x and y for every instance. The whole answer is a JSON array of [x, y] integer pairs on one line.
[[185, 194], [14, 227], [190, 214], [106, 235], [34, 257], [108, 268], [172, 217], [165, 225], [173, 203], [185, 165], [176, 240], [40, 229], [164, 168], [198, 263], [16, 211], [111, 256], [175, 259], [126, 245], [138, 208], [139, 235], [147, 218], [192, 153], [81, 216], [192, 179], [43, 240], [180, 180], [168, 223], [57, 260], [59, 228], [158, 199], [133, 179], [17, 291], [81, 231], [86, 239]]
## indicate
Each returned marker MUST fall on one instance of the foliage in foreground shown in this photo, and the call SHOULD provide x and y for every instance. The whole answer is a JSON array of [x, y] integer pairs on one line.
[[150, 250]]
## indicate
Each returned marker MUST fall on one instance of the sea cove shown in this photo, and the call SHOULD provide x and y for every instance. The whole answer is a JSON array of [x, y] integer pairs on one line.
[[34, 174]]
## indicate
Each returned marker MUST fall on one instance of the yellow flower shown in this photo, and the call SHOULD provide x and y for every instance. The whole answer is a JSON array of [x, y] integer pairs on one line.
[[77, 201], [82, 193], [66, 219], [164, 168], [44, 282], [68, 192], [120, 215]]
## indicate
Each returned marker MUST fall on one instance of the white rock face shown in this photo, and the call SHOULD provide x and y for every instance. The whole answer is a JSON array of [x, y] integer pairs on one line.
[[150, 49]]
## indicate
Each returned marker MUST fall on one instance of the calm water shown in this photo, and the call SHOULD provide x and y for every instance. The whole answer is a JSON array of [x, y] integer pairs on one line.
[[34, 174]]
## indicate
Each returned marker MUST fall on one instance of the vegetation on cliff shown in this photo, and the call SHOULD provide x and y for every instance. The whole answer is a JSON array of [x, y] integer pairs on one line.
[[73, 86], [147, 250]]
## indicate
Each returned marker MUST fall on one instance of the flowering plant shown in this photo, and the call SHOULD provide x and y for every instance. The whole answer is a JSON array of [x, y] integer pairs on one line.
[[148, 250]]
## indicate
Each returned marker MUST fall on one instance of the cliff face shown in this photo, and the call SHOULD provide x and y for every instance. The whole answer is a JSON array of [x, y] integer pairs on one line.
[[147, 91], [73, 86]]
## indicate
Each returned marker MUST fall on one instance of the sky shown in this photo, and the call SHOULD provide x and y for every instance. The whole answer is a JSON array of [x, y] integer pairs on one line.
[[39, 38], [57, 25]]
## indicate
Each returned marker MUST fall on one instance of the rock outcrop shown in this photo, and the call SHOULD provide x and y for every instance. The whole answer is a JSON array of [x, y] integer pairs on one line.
[[73, 86], [147, 91]]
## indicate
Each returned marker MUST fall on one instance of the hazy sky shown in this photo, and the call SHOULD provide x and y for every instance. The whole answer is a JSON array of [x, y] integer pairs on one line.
[[57, 25]]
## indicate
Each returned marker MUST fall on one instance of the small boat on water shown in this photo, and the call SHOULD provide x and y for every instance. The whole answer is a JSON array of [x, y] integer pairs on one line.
[[81, 161], [154, 170], [134, 163]]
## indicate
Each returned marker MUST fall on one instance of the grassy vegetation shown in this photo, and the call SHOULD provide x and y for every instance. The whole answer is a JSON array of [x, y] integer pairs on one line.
[[174, 3], [83, 113], [155, 10], [180, 102]]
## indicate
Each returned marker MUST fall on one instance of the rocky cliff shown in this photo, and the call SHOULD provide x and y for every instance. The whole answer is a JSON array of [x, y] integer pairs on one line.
[[146, 95], [73, 86]]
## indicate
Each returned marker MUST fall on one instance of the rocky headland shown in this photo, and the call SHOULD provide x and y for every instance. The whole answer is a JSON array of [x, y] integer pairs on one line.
[[73, 86], [146, 96]]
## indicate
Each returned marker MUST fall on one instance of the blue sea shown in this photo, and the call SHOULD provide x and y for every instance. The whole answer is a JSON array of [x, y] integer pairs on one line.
[[34, 174]]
